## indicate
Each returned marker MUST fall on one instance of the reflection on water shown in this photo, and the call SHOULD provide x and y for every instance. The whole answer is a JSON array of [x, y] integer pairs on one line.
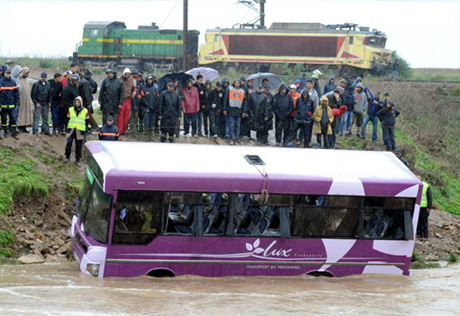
[[60, 289]]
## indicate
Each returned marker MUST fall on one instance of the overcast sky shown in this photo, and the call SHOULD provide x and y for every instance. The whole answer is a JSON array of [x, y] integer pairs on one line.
[[425, 33]]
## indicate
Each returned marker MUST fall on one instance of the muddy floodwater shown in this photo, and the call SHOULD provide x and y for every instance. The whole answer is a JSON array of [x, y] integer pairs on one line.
[[60, 289]]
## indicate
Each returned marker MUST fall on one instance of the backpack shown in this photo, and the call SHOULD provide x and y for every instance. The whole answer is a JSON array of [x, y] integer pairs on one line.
[[93, 85]]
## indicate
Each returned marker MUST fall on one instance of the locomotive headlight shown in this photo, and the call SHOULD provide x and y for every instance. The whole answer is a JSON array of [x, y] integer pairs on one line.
[[375, 57]]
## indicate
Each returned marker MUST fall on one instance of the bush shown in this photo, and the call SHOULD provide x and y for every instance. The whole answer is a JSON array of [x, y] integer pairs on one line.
[[45, 63], [404, 69], [456, 91]]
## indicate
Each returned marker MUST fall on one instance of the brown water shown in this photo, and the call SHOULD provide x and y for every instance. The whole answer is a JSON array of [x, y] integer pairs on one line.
[[60, 289]]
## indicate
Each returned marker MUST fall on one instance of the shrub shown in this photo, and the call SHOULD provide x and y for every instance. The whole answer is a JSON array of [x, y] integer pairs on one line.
[[456, 91]]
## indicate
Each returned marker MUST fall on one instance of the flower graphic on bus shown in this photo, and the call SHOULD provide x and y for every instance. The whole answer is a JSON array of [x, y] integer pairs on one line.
[[271, 251], [255, 247]]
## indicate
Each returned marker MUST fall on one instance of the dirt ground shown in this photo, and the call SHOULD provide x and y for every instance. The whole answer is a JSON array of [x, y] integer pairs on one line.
[[42, 224]]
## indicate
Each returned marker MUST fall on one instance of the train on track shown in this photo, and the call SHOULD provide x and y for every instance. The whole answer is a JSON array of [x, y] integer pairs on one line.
[[344, 47], [148, 47]]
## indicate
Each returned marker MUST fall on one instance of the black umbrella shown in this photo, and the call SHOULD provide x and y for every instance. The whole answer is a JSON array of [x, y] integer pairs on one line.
[[181, 76]]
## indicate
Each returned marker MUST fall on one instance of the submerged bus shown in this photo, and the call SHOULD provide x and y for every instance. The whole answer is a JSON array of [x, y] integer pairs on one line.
[[173, 209]]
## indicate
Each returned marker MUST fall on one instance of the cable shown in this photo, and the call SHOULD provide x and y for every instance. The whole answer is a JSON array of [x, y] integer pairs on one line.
[[161, 26]]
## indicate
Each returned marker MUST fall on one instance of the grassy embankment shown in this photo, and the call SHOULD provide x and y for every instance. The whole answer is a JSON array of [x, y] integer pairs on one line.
[[29, 174], [18, 177]]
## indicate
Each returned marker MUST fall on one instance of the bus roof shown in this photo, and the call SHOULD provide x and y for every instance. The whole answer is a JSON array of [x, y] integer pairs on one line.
[[212, 168]]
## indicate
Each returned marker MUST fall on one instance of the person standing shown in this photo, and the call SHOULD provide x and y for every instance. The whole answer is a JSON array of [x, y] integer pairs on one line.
[[150, 102], [137, 114], [9, 100], [373, 106], [41, 96], [111, 96], [259, 110], [282, 107], [330, 85], [86, 92], [25, 117], [388, 116], [129, 92], [69, 93], [425, 208], [15, 75], [206, 107], [216, 122], [76, 129], [169, 112], [201, 93], [359, 107], [323, 119], [234, 109], [190, 107], [303, 117], [109, 131], [56, 99]]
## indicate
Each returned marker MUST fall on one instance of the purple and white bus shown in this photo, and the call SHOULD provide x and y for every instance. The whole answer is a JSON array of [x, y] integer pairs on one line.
[[172, 209]]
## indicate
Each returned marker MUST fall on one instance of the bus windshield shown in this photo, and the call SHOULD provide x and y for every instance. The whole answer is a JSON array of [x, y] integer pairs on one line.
[[95, 207]]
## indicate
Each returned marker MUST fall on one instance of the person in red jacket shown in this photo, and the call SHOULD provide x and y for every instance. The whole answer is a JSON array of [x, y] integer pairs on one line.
[[190, 107]]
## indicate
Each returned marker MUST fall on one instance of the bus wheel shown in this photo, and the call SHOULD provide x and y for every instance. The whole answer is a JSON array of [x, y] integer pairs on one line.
[[160, 273], [320, 274]]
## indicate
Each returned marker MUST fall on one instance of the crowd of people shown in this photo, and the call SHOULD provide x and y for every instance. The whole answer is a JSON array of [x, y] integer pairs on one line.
[[230, 111]]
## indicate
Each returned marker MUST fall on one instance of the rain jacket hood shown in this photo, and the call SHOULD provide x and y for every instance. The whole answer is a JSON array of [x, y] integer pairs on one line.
[[88, 74], [81, 101]]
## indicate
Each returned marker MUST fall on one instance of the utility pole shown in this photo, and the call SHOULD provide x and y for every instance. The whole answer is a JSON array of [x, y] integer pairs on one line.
[[262, 13], [185, 64]]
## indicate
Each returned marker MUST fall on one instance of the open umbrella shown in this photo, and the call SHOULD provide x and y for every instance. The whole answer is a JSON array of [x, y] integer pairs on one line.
[[257, 78], [181, 76], [207, 73]]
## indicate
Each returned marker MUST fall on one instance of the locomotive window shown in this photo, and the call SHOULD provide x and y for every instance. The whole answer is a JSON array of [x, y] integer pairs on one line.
[[216, 38], [93, 32], [351, 40]]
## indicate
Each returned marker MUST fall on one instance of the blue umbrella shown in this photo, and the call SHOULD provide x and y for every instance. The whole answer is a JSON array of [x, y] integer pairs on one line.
[[207, 73]]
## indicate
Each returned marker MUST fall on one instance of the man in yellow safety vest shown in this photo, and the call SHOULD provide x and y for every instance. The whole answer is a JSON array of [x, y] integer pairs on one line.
[[425, 208], [76, 129]]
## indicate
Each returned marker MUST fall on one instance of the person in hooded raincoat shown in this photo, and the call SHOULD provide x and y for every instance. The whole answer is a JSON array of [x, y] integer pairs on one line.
[[259, 109], [111, 96], [323, 119], [149, 103], [387, 117], [303, 117], [169, 111], [86, 92], [282, 107], [76, 129]]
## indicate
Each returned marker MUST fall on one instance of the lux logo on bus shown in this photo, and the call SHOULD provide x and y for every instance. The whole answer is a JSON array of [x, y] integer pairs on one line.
[[270, 251]]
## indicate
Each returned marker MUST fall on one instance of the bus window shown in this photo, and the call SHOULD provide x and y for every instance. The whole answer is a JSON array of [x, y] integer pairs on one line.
[[97, 217], [137, 217], [263, 218], [326, 216]]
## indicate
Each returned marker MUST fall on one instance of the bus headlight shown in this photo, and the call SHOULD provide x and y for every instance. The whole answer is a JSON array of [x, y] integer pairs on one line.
[[93, 269]]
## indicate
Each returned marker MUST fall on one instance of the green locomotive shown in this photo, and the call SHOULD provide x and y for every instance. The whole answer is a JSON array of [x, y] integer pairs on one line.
[[112, 44]]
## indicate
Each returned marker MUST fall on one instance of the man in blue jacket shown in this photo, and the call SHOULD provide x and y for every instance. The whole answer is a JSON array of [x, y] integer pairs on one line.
[[9, 100]]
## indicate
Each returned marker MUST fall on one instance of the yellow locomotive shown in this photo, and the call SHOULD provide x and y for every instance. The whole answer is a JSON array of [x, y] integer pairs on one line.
[[344, 47]]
